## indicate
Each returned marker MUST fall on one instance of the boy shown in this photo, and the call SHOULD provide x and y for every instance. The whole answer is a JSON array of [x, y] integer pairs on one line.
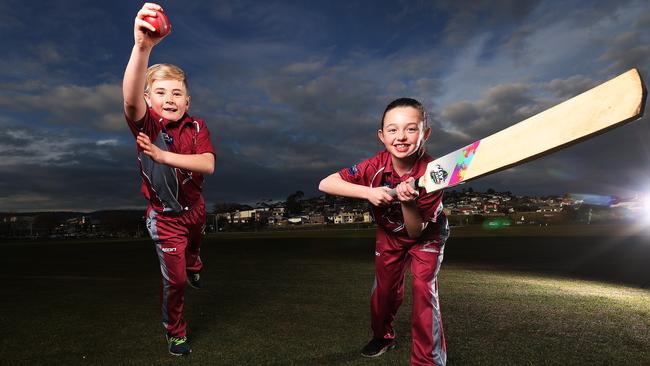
[[410, 228], [174, 151]]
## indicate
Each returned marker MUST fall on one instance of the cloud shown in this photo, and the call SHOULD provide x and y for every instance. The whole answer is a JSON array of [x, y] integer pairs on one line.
[[98, 107], [306, 67], [109, 142], [20, 147], [48, 53], [292, 92], [501, 106], [301, 112], [468, 18], [628, 50], [570, 87], [45, 169], [84, 188], [52, 148]]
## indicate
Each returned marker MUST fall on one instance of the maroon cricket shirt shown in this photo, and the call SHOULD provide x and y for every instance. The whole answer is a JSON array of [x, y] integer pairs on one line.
[[378, 171], [171, 189]]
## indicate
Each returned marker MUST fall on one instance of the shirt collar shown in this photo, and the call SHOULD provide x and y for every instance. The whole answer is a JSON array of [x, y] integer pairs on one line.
[[172, 124], [419, 167]]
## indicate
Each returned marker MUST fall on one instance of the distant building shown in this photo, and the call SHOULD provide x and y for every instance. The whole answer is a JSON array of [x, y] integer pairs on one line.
[[316, 219], [344, 218], [243, 217], [298, 220]]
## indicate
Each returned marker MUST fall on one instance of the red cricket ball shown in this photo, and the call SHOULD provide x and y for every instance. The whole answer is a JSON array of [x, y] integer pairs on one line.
[[161, 23]]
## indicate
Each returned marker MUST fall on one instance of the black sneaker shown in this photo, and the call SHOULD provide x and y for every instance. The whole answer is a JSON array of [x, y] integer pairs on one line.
[[377, 346], [178, 346], [194, 280]]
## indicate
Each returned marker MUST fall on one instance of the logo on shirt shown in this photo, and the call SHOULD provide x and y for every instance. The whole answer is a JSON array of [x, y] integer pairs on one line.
[[438, 174], [168, 139], [353, 170], [168, 250]]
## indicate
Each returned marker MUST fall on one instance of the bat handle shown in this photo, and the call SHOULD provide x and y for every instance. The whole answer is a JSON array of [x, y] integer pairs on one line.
[[393, 192]]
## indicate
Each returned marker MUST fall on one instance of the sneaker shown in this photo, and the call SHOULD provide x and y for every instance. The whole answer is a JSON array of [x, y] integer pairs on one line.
[[377, 346], [178, 346], [194, 280]]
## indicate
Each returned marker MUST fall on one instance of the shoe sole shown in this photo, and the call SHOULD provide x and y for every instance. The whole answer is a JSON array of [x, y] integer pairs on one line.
[[381, 352], [176, 354], [179, 354], [192, 286]]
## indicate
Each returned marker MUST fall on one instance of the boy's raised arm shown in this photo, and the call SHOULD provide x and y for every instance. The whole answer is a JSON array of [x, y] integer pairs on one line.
[[134, 75]]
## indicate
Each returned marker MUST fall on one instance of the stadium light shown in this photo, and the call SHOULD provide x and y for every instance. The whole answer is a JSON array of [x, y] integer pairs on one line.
[[644, 212]]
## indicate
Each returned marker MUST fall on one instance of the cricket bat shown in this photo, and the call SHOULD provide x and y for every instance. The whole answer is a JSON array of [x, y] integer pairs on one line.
[[596, 111]]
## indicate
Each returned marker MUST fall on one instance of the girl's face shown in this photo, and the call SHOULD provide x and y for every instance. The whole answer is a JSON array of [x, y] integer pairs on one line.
[[403, 131], [168, 98]]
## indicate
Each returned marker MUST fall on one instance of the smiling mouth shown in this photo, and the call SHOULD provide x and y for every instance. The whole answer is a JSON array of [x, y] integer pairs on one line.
[[402, 147]]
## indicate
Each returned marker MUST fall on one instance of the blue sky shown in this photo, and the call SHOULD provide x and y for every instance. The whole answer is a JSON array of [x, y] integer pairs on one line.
[[293, 91]]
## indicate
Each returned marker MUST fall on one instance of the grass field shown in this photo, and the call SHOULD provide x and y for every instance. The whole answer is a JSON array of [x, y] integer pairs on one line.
[[516, 297]]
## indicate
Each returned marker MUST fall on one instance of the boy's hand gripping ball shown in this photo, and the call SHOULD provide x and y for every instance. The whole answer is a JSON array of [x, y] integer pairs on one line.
[[161, 23]]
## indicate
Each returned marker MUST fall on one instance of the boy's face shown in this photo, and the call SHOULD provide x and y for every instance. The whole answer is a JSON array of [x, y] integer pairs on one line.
[[403, 132], [168, 98]]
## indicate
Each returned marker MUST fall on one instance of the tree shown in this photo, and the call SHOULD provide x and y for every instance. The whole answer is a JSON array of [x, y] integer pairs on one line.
[[45, 223], [225, 207], [294, 204]]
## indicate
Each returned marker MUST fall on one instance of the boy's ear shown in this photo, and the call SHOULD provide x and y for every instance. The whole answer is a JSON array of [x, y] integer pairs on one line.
[[427, 133], [189, 99], [147, 100], [380, 135]]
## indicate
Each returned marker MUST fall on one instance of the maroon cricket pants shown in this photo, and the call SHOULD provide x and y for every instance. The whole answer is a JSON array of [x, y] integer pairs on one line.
[[177, 238], [391, 260]]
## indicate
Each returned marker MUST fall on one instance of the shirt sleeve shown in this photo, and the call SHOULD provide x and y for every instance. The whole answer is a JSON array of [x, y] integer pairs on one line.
[[360, 173], [146, 124], [203, 141]]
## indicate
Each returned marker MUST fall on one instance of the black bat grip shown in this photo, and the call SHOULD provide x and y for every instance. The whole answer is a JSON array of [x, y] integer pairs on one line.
[[393, 192]]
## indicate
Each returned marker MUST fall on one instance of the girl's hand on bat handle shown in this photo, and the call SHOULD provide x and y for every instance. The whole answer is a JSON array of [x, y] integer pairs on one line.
[[379, 196], [405, 191]]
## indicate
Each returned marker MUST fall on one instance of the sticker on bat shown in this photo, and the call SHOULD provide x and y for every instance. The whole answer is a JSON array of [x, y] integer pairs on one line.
[[464, 159], [438, 174]]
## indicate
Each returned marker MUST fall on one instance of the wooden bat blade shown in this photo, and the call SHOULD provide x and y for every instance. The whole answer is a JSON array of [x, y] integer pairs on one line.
[[606, 106]]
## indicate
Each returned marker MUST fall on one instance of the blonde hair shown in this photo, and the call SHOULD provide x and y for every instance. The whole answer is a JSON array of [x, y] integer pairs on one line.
[[164, 72]]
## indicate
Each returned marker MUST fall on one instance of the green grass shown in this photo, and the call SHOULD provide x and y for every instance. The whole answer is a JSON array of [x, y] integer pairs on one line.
[[523, 319], [303, 299]]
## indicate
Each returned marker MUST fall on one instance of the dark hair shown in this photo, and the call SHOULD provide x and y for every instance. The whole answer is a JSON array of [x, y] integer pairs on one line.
[[405, 102]]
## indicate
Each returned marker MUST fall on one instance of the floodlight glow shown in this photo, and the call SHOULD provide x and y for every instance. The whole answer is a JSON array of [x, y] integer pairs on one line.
[[497, 223], [592, 199], [644, 212]]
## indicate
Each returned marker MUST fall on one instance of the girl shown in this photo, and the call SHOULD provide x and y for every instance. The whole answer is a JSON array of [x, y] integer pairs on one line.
[[411, 229]]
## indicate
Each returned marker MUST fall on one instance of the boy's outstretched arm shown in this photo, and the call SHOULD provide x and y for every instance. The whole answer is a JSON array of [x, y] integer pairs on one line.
[[134, 75], [335, 185], [198, 163]]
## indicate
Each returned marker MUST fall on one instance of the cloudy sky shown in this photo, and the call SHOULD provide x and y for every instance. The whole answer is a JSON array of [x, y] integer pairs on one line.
[[293, 91]]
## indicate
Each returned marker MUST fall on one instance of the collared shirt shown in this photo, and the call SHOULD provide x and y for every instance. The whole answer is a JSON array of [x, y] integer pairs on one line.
[[378, 171], [171, 189]]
